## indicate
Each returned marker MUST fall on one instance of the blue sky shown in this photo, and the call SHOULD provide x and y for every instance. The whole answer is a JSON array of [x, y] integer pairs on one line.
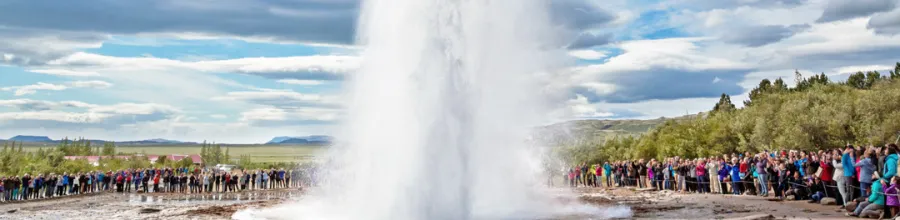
[[244, 71]]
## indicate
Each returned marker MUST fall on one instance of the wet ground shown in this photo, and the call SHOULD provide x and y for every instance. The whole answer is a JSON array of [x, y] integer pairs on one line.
[[145, 206], [643, 204]]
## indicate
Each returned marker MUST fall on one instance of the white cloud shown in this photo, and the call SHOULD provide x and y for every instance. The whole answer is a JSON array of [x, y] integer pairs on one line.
[[580, 107], [301, 82], [31, 89], [588, 54], [95, 84], [320, 67], [79, 115], [275, 117], [280, 99], [853, 69], [218, 116], [64, 72], [600, 88]]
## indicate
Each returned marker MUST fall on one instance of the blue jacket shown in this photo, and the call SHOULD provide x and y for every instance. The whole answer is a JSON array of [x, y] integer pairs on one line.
[[849, 169], [606, 169], [65, 180], [799, 164], [890, 167], [723, 172], [866, 168], [735, 172]]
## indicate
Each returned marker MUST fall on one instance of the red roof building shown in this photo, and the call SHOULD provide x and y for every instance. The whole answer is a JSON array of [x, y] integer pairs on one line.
[[95, 160]]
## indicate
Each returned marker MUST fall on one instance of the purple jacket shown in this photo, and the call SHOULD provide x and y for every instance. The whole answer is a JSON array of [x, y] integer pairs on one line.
[[890, 198]]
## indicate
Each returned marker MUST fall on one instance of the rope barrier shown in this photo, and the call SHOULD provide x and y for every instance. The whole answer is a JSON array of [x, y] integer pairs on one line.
[[752, 182]]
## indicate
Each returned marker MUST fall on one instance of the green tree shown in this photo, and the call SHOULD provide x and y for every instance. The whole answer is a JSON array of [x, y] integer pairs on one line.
[[895, 74], [109, 149], [724, 104]]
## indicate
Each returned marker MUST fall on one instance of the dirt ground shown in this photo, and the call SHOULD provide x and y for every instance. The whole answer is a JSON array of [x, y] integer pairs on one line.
[[644, 205], [672, 205]]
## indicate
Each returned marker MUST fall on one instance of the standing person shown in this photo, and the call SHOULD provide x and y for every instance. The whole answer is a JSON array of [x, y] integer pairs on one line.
[[762, 174], [734, 170], [606, 172], [840, 176], [290, 176], [713, 169], [258, 184], [27, 180], [702, 182], [217, 179], [867, 168], [642, 173], [156, 182], [890, 163], [205, 177], [246, 181], [891, 200]]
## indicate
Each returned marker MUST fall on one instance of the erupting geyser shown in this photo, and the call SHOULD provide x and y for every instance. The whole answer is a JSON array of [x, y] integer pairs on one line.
[[439, 116]]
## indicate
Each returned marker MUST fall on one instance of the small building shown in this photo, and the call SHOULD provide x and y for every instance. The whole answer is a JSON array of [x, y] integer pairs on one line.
[[195, 158], [95, 160]]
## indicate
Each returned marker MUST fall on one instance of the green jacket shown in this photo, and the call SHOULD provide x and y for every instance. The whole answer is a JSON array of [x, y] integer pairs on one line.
[[876, 195]]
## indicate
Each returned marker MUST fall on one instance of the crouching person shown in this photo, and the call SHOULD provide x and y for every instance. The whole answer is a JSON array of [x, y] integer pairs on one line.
[[872, 206]]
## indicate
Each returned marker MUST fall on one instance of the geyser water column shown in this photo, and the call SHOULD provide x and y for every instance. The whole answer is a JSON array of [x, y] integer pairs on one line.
[[439, 115], [441, 108]]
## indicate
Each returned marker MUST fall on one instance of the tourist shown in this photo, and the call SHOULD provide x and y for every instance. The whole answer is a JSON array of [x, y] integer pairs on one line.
[[866, 169], [891, 200], [870, 206], [762, 173]]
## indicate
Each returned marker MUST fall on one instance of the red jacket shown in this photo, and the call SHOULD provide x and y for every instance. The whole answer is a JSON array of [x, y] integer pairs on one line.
[[827, 171]]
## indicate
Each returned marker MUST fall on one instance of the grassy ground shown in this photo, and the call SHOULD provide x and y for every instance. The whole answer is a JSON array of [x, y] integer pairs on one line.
[[258, 153]]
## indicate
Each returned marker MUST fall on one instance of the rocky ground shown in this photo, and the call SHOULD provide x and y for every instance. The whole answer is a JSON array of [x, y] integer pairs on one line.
[[644, 205], [672, 205]]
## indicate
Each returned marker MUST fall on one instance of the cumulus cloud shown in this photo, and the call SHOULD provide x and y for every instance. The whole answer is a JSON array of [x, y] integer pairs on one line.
[[886, 23], [31, 89], [63, 72], [79, 115], [659, 69], [38, 31], [283, 99], [848, 9], [277, 117], [755, 36], [587, 39], [316, 67]]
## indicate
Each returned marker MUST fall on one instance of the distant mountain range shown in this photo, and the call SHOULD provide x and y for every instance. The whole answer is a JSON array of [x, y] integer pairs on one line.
[[314, 139]]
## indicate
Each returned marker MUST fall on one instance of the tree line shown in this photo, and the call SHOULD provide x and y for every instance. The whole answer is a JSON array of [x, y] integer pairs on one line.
[[816, 113]]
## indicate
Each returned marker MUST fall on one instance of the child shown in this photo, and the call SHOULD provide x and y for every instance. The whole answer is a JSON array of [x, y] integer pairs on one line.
[[891, 200]]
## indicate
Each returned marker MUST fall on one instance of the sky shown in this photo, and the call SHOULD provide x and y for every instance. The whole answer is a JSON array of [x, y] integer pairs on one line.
[[244, 71]]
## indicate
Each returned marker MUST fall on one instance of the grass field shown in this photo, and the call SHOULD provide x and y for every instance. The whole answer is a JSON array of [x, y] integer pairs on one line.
[[258, 153]]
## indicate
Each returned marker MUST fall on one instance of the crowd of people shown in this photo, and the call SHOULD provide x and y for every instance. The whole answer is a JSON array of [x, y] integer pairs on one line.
[[152, 180], [863, 180]]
